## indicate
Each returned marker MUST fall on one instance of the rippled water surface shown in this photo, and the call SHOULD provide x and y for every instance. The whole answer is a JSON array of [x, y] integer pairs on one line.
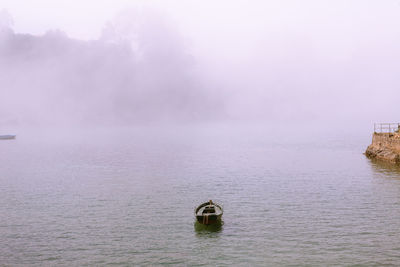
[[127, 198]]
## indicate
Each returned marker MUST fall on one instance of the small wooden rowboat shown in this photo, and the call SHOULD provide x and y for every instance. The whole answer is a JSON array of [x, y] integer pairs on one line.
[[208, 213]]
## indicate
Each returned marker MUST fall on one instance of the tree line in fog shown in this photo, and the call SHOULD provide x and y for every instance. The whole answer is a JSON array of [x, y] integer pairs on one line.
[[139, 70]]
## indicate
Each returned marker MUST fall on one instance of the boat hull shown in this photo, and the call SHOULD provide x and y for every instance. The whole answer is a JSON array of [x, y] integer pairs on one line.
[[209, 219]]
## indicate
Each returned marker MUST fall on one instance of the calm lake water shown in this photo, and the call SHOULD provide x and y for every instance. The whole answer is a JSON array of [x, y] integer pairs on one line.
[[127, 198]]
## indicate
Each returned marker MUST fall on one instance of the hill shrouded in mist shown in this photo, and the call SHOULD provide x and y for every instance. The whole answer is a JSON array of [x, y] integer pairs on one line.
[[143, 74]]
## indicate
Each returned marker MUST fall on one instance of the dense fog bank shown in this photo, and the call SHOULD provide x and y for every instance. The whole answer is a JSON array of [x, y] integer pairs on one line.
[[118, 79], [291, 65]]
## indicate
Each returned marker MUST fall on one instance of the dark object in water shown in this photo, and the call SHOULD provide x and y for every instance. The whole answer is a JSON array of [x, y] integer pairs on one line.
[[208, 213], [5, 137], [205, 228]]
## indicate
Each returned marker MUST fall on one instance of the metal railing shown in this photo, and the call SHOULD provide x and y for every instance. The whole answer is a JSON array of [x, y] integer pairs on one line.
[[386, 127]]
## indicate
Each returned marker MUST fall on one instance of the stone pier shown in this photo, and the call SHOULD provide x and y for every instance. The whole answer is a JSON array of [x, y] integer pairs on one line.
[[385, 146]]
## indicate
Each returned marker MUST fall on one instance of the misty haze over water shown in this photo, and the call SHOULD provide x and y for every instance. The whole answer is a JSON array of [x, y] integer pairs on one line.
[[54, 79], [314, 62]]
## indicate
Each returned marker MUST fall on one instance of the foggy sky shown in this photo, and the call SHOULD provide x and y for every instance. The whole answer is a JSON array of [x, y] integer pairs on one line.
[[127, 62]]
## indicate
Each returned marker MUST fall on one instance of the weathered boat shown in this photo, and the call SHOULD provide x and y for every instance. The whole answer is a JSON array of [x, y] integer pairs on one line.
[[8, 136], [209, 213]]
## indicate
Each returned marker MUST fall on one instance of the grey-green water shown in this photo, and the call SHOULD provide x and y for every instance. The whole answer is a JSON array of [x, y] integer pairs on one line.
[[127, 198]]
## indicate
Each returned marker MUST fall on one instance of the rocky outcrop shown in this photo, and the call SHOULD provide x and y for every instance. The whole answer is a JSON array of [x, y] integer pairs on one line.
[[385, 146]]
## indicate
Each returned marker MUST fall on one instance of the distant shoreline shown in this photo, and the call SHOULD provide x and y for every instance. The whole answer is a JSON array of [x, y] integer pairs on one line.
[[7, 137]]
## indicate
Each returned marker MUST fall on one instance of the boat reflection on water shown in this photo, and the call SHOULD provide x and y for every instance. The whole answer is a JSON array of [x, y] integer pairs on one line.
[[212, 228]]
